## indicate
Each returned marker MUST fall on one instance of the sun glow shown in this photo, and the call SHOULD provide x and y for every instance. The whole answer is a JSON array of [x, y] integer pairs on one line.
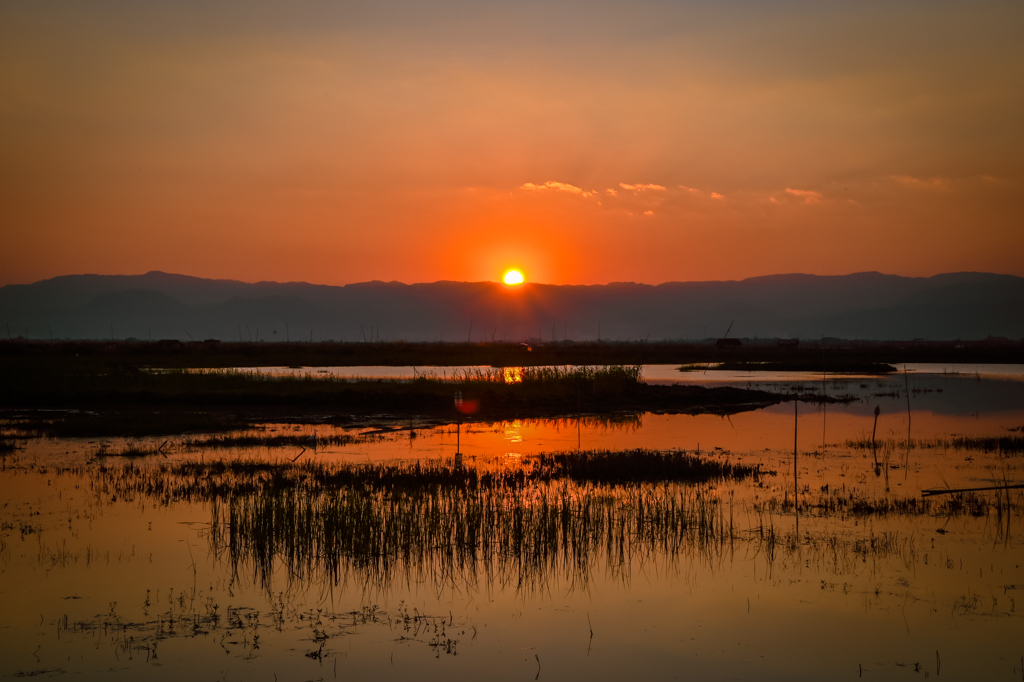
[[513, 278]]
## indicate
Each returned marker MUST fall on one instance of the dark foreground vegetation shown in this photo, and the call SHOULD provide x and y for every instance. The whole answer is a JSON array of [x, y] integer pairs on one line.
[[110, 388], [206, 480], [1008, 444], [440, 523], [555, 517], [125, 400]]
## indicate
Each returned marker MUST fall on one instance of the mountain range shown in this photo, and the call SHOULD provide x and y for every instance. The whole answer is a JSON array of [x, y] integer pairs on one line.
[[867, 305]]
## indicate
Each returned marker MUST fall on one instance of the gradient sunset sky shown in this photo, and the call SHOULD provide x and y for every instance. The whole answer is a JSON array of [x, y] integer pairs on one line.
[[585, 142]]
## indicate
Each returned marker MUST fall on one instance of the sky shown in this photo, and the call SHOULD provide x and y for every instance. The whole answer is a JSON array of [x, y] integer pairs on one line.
[[584, 142]]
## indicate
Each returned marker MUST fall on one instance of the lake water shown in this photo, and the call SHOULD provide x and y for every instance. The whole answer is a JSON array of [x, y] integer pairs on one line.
[[106, 574]]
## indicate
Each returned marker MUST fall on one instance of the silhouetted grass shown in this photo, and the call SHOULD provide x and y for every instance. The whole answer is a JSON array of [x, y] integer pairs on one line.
[[441, 521], [254, 440], [515, 537], [635, 466], [126, 401], [129, 450], [554, 518], [855, 506], [1002, 444]]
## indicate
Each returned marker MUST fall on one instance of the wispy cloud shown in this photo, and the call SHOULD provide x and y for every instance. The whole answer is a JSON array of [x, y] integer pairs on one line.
[[648, 212], [924, 183], [558, 187], [809, 196], [612, 192], [700, 192], [640, 187]]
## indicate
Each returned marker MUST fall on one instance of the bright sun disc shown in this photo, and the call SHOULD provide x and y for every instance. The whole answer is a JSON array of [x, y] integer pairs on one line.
[[513, 277]]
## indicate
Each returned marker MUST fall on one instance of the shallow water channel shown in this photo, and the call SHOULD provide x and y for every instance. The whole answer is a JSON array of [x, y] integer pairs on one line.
[[123, 568]]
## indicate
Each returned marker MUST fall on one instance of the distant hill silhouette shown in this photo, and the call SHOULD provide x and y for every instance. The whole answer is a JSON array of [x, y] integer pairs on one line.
[[866, 305]]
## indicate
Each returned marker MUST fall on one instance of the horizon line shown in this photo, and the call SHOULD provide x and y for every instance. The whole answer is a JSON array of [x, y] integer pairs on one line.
[[500, 283]]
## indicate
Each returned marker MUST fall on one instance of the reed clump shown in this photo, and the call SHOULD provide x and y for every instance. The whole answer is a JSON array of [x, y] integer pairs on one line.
[[512, 537], [197, 480], [440, 522]]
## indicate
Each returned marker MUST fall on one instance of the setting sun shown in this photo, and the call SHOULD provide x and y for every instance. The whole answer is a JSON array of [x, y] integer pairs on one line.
[[513, 277]]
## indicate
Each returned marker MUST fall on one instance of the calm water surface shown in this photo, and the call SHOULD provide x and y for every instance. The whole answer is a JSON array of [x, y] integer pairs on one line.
[[103, 580]]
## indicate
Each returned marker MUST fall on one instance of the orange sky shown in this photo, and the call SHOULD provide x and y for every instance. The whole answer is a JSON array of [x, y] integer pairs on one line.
[[585, 142]]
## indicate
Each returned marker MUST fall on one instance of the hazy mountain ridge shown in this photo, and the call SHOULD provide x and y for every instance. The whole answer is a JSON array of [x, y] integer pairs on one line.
[[866, 305]]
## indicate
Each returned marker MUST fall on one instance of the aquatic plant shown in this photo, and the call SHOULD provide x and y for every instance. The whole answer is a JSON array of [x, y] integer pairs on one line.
[[1012, 444]]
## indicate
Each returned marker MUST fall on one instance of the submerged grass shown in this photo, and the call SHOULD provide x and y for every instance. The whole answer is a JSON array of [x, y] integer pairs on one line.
[[999, 444], [255, 440], [444, 523], [205, 481], [856, 506], [513, 537], [554, 519]]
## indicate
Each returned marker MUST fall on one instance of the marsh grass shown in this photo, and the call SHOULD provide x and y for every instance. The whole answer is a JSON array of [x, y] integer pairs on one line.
[[439, 522], [123, 400], [261, 440], [855, 506], [559, 518], [999, 444], [131, 449]]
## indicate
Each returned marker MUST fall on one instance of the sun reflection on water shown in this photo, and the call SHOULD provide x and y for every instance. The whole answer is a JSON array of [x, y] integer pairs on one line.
[[512, 375]]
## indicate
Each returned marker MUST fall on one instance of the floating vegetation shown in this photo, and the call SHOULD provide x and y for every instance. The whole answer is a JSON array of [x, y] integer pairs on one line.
[[238, 630], [555, 518], [130, 449], [826, 504], [259, 440], [518, 525], [198, 480], [999, 444]]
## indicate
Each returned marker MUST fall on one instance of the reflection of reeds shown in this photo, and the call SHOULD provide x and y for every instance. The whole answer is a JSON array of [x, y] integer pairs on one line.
[[558, 515], [445, 536], [554, 519]]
